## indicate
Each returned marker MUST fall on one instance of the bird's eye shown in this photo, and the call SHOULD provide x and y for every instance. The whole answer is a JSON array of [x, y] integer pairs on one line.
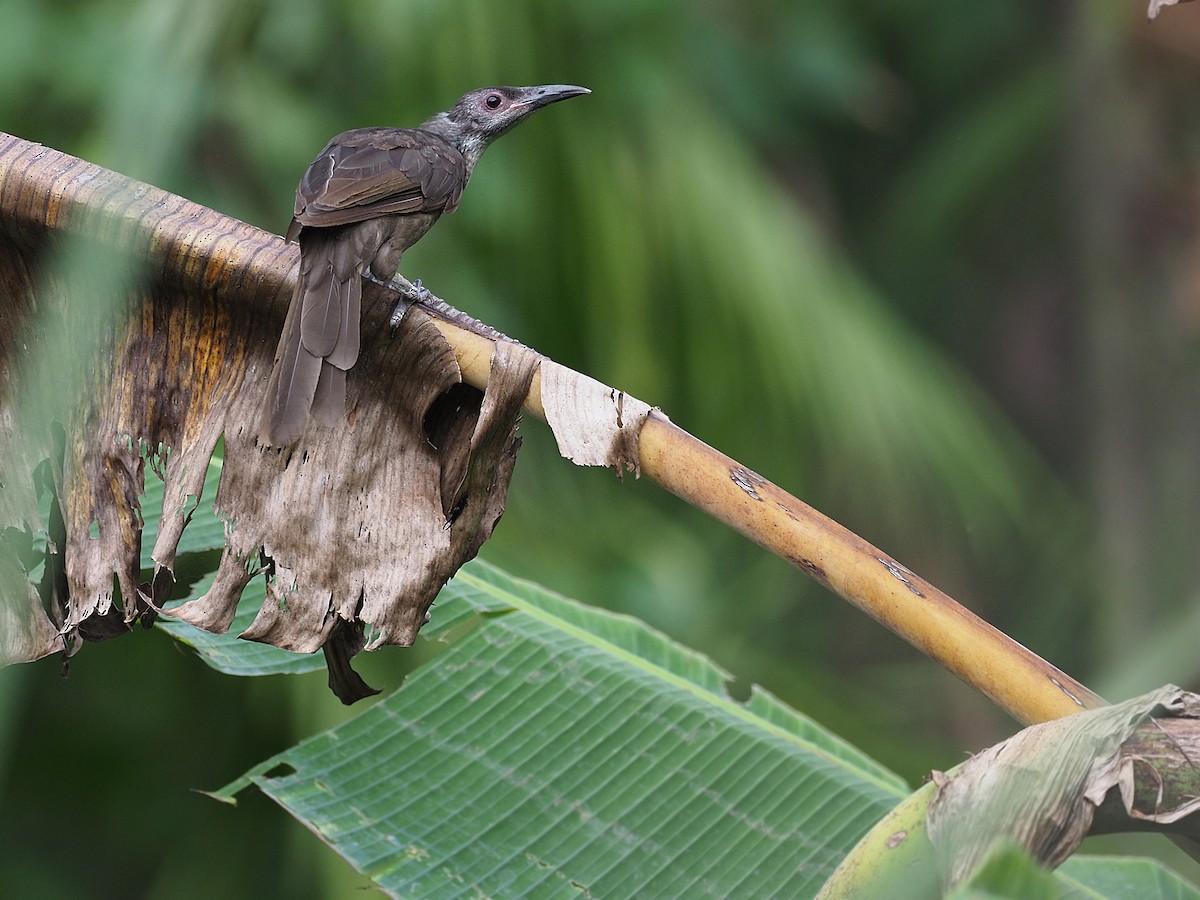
[[493, 101]]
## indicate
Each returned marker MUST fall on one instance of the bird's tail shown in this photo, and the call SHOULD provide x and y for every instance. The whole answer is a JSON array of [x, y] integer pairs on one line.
[[320, 340]]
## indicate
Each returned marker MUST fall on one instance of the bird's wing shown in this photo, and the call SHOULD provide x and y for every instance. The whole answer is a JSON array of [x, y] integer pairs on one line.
[[377, 172]]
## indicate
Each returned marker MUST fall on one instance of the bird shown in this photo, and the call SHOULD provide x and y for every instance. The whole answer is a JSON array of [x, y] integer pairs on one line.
[[368, 196]]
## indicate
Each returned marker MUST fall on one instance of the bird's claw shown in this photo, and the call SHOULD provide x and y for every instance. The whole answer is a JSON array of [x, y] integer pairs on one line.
[[421, 294], [412, 291]]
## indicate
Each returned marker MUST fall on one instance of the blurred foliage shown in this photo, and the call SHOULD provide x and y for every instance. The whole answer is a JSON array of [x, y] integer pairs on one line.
[[926, 265]]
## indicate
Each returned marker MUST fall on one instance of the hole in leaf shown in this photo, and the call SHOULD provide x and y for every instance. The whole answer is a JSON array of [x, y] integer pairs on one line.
[[738, 690]]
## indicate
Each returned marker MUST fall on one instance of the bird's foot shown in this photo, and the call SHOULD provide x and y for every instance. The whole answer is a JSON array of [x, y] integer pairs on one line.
[[423, 294], [412, 291]]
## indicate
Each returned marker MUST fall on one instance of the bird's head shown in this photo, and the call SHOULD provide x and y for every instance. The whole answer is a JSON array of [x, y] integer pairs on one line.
[[481, 116]]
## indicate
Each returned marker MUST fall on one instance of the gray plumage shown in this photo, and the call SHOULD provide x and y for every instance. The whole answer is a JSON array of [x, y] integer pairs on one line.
[[368, 196]]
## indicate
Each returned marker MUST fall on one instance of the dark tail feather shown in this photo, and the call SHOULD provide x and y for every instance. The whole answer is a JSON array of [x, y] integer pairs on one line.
[[325, 302], [329, 402], [293, 381], [321, 336], [331, 268], [344, 353]]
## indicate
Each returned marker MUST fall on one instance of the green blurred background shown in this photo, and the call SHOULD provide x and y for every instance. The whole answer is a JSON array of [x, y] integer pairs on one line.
[[930, 266]]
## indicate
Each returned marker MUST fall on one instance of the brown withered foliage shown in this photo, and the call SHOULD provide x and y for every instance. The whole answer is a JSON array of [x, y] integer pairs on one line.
[[139, 328]]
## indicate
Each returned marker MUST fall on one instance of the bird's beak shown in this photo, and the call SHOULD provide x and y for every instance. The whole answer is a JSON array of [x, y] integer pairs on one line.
[[545, 94]]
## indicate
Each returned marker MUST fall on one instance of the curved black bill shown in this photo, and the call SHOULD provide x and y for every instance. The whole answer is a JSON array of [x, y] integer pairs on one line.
[[545, 94]]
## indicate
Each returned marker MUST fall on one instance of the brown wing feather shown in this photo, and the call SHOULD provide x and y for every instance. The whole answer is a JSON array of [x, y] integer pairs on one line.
[[374, 172]]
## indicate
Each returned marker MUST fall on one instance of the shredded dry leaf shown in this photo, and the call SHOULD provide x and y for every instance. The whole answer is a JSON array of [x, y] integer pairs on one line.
[[594, 424], [356, 526], [1041, 788], [1156, 6]]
